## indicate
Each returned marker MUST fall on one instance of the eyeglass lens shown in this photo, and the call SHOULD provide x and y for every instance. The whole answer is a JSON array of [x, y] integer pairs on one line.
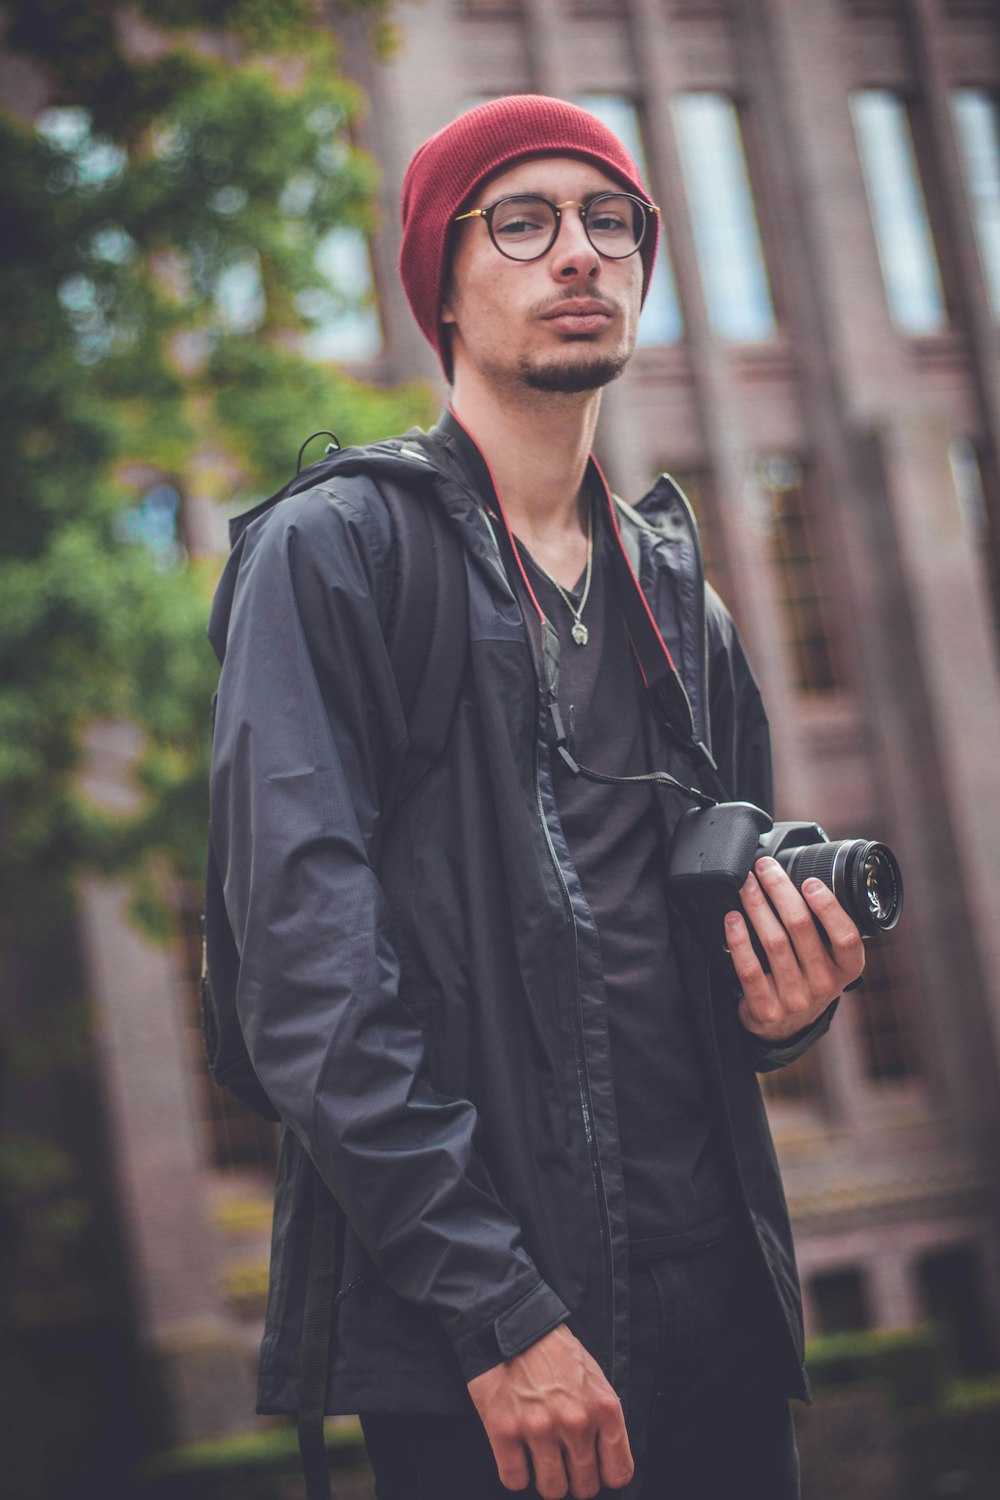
[[524, 227]]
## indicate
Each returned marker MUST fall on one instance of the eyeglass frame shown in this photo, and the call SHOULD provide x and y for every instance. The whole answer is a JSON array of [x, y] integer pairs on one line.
[[557, 208]]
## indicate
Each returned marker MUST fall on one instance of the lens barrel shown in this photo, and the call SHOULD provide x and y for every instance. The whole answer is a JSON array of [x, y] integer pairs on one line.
[[865, 878]]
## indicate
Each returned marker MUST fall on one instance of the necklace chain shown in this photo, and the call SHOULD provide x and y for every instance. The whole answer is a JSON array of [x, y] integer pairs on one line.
[[579, 632]]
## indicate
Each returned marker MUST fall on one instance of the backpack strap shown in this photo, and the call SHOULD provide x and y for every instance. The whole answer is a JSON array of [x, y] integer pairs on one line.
[[427, 634], [323, 1275]]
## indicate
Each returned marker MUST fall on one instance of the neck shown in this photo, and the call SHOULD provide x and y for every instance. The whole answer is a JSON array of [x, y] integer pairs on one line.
[[537, 446]]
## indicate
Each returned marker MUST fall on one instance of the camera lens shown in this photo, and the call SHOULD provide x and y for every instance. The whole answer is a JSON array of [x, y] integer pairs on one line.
[[865, 878]]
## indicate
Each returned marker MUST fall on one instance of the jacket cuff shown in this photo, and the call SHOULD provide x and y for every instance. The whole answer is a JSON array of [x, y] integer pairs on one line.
[[511, 1331], [768, 1057]]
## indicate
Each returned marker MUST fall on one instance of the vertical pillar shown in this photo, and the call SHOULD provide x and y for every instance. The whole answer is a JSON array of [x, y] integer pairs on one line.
[[202, 1362], [743, 507], [892, 1290]]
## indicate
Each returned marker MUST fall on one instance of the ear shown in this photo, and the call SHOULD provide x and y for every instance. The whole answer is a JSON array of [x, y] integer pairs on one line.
[[447, 312]]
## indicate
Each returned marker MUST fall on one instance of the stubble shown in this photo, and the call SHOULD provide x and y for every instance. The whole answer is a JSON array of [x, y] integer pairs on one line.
[[572, 376]]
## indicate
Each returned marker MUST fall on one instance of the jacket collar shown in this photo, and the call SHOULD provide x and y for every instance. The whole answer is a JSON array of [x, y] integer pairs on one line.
[[673, 702]]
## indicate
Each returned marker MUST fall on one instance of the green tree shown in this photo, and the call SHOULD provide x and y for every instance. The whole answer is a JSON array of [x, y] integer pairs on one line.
[[165, 214], [163, 217]]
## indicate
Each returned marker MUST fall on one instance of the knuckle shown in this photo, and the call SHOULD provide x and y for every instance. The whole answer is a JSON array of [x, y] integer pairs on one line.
[[745, 965], [780, 945], [575, 1423], [800, 923], [856, 952], [608, 1405]]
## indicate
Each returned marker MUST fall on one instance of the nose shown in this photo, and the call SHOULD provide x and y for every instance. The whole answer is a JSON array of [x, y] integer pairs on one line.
[[573, 255]]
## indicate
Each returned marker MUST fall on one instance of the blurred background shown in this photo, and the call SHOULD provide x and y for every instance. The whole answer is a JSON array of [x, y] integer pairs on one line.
[[200, 209]]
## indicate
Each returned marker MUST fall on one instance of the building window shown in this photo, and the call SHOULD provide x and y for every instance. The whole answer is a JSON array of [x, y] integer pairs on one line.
[[236, 1136], [841, 1301], [345, 318], [899, 213], [660, 321], [952, 1294], [808, 608], [884, 1016], [723, 216], [977, 125]]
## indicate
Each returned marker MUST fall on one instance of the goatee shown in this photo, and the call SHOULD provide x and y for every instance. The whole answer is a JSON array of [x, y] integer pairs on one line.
[[575, 375]]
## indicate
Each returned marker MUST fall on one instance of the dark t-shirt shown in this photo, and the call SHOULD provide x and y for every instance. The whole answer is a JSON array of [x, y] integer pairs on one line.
[[678, 1188]]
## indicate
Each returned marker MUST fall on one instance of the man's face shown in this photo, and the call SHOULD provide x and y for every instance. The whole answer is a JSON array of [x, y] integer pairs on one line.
[[564, 322]]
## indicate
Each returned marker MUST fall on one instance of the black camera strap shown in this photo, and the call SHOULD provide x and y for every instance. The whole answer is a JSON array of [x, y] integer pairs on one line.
[[664, 688], [657, 778]]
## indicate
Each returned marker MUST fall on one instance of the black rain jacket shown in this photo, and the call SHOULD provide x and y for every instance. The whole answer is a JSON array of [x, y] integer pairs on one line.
[[422, 995]]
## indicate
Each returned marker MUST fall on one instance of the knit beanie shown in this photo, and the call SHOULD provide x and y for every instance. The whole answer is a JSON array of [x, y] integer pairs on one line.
[[448, 169]]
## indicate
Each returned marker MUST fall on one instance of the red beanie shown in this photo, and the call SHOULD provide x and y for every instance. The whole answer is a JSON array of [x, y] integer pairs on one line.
[[447, 169]]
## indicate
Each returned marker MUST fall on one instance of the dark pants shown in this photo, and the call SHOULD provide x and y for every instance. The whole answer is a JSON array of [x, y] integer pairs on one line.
[[705, 1414]]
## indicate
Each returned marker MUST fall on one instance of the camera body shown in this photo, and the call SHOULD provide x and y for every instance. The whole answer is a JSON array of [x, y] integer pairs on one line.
[[714, 849]]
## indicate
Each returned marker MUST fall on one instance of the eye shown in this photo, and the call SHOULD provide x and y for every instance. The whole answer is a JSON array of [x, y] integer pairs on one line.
[[610, 216], [521, 218], [606, 222]]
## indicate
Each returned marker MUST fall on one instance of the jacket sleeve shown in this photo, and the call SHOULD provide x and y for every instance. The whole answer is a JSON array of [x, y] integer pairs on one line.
[[308, 725], [741, 744]]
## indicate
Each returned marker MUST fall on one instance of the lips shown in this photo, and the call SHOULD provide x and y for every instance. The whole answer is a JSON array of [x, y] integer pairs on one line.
[[580, 315]]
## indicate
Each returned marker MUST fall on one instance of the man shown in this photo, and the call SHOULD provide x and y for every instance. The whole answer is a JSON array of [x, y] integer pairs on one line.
[[564, 1260]]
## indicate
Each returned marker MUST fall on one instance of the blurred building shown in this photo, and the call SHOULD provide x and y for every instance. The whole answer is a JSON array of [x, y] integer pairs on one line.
[[819, 366]]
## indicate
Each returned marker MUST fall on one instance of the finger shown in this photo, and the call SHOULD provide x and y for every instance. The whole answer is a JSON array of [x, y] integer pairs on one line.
[[581, 1466], [793, 912], [511, 1461], [614, 1453], [846, 944], [759, 1006], [768, 924], [576, 1430], [550, 1470], [774, 938]]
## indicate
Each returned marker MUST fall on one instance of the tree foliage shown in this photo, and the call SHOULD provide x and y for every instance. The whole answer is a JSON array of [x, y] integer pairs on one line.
[[164, 218]]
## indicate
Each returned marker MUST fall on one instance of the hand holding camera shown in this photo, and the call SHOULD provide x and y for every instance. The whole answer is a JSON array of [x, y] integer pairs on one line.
[[790, 907], [812, 951]]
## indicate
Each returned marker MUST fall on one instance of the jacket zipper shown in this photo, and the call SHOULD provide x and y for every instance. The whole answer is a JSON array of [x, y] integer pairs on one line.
[[582, 1080], [583, 1085]]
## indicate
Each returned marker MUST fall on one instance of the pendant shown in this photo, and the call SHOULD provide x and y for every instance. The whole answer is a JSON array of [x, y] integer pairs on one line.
[[580, 633]]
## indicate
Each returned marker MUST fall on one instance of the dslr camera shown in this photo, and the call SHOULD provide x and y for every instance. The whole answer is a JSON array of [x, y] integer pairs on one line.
[[714, 849]]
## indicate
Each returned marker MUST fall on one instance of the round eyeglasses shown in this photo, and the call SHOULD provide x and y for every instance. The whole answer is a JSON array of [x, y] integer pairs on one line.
[[526, 226]]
